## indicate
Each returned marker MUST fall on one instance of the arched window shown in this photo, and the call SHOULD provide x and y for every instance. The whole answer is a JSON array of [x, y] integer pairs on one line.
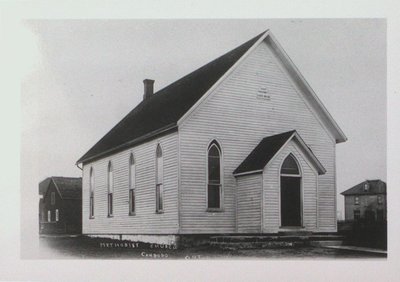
[[132, 184], [91, 195], [110, 184], [214, 169], [290, 167], [159, 179]]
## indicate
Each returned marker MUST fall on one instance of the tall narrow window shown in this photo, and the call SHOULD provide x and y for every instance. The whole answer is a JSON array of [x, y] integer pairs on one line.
[[132, 184], [49, 215], [53, 198], [214, 190], [356, 200], [110, 183], [91, 196], [290, 192], [159, 179], [57, 215]]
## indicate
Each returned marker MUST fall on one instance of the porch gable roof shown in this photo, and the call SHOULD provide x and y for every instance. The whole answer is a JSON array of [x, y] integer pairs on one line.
[[268, 148]]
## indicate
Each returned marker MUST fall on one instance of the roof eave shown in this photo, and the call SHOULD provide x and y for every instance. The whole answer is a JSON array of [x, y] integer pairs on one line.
[[144, 138], [320, 168], [243, 173]]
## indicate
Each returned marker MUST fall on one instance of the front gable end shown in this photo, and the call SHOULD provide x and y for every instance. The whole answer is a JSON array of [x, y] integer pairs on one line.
[[47, 198], [267, 76]]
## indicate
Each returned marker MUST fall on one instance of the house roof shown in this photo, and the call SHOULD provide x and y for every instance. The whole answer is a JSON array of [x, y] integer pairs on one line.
[[162, 110], [68, 187], [265, 151], [43, 185], [376, 186]]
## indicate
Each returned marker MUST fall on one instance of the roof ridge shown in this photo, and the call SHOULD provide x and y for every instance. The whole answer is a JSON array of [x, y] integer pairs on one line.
[[356, 188]]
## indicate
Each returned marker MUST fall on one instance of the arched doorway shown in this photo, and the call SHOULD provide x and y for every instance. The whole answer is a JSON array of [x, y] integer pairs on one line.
[[290, 192]]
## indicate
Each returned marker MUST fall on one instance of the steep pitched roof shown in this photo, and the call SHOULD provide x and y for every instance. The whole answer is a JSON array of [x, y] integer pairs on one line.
[[162, 110], [265, 151], [376, 186], [68, 187]]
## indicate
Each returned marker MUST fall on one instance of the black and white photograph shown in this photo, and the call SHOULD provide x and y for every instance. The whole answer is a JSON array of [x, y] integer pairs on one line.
[[171, 139], [261, 142]]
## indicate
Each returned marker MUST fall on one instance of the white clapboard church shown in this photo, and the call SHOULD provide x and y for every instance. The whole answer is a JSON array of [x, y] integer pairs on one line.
[[241, 145]]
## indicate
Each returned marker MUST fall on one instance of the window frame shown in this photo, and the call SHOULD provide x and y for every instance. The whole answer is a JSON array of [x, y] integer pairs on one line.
[[294, 159], [159, 184], [48, 215], [110, 189], [132, 186], [356, 200], [57, 215], [91, 193], [217, 145]]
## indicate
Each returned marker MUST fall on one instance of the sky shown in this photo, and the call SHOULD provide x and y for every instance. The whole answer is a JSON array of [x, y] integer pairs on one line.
[[88, 74]]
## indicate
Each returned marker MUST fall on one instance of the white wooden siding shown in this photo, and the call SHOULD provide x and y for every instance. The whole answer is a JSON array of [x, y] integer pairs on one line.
[[145, 220], [271, 184], [249, 203], [234, 116]]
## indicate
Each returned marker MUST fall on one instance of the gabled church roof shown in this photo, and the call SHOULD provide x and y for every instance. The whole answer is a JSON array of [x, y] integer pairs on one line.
[[376, 186], [160, 113], [268, 148], [164, 108]]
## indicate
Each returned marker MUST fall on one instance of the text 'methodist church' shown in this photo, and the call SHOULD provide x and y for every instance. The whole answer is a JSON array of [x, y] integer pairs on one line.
[[241, 145]]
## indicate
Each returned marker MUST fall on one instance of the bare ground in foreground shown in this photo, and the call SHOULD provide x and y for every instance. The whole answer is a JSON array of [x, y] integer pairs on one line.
[[81, 247]]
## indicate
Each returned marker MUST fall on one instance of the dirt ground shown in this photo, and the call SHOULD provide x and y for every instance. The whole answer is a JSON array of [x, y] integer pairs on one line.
[[96, 248]]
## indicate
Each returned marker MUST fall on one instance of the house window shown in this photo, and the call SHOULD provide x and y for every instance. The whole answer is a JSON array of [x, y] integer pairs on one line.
[[379, 215], [110, 184], [214, 168], [53, 198], [159, 179], [91, 196], [356, 215], [49, 216], [56, 214], [356, 200], [132, 184], [366, 186], [380, 200]]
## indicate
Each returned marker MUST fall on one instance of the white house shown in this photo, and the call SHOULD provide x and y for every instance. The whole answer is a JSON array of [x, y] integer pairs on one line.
[[240, 145]]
